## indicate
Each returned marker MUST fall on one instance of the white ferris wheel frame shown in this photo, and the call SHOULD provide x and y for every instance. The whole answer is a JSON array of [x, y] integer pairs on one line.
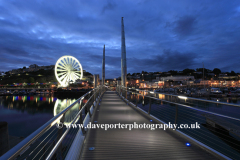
[[66, 77]]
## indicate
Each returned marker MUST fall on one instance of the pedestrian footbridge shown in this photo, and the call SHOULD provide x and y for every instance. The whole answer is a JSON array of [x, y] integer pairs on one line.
[[122, 109]]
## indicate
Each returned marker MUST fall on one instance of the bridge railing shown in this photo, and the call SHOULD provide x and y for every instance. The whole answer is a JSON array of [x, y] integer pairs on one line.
[[213, 124], [54, 139]]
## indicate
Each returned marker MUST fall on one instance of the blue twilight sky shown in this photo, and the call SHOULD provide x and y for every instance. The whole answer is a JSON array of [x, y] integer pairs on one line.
[[161, 35]]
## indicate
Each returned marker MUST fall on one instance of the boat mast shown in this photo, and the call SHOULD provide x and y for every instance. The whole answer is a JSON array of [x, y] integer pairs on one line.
[[203, 76]]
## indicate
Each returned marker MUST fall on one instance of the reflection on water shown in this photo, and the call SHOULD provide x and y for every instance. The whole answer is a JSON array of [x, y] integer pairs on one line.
[[143, 92], [161, 96], [60, 105], [25, 114], [29, 104]]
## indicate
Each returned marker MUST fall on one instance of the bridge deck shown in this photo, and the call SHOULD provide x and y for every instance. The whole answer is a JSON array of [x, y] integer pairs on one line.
[[137, 143]]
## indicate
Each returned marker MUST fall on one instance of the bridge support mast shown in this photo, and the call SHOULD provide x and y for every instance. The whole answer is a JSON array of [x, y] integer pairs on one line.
[[103, 66], [95, 80], [123, 58]]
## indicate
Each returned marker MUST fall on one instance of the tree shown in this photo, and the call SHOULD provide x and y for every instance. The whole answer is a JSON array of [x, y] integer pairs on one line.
[[205, 70], [232, 73], [188, 71], [31, 80], [144, 72], [173, 72], [217, 71], [20, 80], [142, 75], [42, 80], [86, 74]]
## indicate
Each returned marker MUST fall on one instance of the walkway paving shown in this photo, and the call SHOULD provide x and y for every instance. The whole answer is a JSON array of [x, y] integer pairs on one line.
[[137, 143]]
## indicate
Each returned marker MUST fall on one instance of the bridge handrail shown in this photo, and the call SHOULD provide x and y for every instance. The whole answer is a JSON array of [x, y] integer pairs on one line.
[[183, 105], [201, 137], [65, 133], [15, 151], [191, 98]]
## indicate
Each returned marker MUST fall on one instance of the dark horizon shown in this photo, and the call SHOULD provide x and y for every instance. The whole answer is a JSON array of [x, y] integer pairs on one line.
[[206, 70]]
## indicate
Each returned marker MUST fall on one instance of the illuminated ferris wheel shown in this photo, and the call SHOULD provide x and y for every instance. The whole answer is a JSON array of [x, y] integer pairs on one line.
[[67, 70]]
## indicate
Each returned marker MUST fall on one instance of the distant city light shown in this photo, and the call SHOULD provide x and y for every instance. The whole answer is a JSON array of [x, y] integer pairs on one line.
[[182, 97]]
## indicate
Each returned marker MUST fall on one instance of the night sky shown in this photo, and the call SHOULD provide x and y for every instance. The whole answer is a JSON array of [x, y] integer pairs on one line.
[[160, 35]]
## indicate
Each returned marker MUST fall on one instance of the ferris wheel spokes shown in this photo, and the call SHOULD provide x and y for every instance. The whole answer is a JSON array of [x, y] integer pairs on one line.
[[68, 69]]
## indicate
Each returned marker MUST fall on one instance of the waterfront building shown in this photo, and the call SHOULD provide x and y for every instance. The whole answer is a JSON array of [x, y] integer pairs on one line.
[[177, 78]]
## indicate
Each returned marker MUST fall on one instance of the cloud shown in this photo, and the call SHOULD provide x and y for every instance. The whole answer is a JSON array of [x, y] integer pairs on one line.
[[109, 6], [168, 60], [184, 25], [160, 35]]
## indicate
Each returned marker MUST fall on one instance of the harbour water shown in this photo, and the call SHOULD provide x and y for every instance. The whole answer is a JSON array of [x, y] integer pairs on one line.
[[25, 114]]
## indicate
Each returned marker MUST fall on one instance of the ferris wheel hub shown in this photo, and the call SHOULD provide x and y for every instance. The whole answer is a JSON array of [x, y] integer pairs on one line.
[[68, 69]]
